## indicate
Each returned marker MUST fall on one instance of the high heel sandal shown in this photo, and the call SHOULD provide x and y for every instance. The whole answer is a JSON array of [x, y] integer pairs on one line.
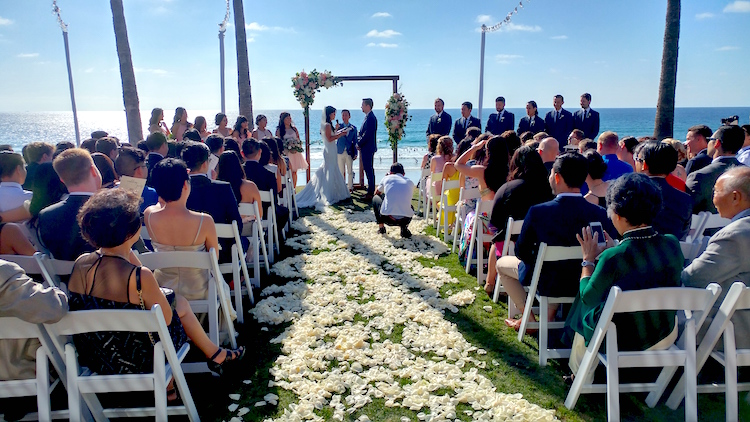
[[232, 356], [173, 392]]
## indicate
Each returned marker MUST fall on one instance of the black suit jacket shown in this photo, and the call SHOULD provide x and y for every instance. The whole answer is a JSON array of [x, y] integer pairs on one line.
[[151, 160], [556, 223], [216, 199], [58, 229], [676, 211], [698, 162], [500, 122], [560, 129], [459, 128], [588, 124], [440, 124], [367, 141], [527, 125], [700, 184], [514, 199]]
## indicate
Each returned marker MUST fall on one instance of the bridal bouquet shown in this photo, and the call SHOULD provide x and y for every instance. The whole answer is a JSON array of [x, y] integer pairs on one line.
[[293, 145], [307, 84], [396, 116]]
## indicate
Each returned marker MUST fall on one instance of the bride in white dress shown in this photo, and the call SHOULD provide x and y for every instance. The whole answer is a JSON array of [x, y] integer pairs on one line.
[[327, 185]]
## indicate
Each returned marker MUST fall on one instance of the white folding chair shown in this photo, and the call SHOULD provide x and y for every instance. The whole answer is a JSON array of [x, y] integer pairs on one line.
[[512, 228], [231, 231], [216, 300], [547, 254], [463, 196], [12, 328], [257, 243], [31, 264], [478, 237], [52, 269], [697, 301], [708, 222], [445, 208], [82, 381], [292, 197], [432, 196], [422, 191], [269, 224], [689, 250], [737, 299], [697, 223]]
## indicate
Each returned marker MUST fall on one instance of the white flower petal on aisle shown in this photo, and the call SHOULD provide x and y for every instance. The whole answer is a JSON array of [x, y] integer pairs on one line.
[[371, 316]]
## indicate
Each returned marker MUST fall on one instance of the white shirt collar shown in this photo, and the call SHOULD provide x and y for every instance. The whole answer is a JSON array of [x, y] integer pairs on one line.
[[586, 110], [569, 194], [81, 193]]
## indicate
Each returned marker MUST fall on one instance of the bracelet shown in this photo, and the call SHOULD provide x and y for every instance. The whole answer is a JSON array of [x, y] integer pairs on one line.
[[585, 263]]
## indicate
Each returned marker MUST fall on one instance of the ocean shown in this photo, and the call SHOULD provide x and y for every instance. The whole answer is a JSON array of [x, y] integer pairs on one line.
[[18, 129]]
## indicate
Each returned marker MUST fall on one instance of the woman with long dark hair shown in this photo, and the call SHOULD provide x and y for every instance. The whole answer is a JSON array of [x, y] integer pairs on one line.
[[230, 170], [241, 131], [292, 144]]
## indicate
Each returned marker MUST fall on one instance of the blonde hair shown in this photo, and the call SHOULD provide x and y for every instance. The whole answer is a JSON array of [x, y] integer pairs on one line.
[[445, 146], [73, 166], [679, 146]]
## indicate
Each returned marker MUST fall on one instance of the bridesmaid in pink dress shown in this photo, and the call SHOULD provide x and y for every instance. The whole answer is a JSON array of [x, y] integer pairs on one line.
[[286, 130]]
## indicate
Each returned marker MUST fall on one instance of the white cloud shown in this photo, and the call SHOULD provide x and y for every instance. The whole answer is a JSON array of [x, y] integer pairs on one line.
[[705, 15], [559, 37], [739, 6], [4, 21], [727, 48], [388, 33], [523, 28], [28, 55], [506, 58], [381, 15], [160, 72], [484, 19], [382, 45], [89, 70], [256, 27]]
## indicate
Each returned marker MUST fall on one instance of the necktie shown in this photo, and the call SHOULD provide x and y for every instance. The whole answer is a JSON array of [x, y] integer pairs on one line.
[[466, 124], [557, 115]]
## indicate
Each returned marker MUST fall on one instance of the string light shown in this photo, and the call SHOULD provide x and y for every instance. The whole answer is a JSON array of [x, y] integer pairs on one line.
[[56, 10], [506, 21], [223, 25]]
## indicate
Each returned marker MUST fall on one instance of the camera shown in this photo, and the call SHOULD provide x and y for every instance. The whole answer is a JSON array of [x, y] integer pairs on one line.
[[731, 120]]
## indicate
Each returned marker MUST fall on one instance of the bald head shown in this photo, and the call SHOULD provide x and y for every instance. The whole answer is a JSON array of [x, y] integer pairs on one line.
[[548, 149]]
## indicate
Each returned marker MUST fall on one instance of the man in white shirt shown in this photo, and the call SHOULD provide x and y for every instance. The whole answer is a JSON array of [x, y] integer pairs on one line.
[[743, 155], [12, 176], [394, 208]]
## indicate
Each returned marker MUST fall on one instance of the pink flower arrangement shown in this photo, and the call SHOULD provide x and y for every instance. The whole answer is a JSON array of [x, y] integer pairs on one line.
[[396, 115], [307, 84]]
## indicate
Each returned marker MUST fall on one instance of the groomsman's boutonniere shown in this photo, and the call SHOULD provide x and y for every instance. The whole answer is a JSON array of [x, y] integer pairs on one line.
[[440, 119]]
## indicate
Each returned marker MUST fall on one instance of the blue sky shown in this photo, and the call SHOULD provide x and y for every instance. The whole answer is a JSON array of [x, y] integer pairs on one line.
[[611, 49]]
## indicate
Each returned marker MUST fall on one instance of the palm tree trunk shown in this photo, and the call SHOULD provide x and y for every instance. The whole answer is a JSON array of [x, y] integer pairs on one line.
[[127, 74], [664, 124], [243, 68]]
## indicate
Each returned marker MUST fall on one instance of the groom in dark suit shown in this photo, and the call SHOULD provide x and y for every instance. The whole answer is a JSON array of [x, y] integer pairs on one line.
[[367, 144], [558, 123]]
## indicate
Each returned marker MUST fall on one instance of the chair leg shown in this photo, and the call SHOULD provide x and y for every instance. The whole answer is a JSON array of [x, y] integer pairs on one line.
[[74, 395], [730, 374], [613, 376], [691, 374], [543, 317], [160, 384], [42, 386], [236, 258], [480, 259]]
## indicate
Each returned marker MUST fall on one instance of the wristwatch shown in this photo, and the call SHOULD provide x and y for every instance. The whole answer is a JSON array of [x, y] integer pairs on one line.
[[585, 263]]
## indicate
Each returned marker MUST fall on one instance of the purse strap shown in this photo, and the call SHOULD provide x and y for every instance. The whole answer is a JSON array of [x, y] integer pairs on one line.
[[140, 297]]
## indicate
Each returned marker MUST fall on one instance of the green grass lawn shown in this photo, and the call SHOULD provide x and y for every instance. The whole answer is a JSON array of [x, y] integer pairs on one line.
[[511, 366]]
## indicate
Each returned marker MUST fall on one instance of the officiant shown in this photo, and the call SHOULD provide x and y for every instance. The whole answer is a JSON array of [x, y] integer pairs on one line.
[[346, 147]]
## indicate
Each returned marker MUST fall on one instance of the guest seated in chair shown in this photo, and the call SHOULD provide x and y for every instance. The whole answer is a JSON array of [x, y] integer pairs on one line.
[[644, 259], [112, 278], [13, 241]]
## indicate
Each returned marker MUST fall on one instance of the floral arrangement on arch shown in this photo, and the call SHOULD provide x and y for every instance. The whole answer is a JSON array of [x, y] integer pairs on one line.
[[307, 84], [396, 115]]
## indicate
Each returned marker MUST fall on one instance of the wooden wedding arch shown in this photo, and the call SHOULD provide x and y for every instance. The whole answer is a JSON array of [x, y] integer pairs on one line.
[[392, 78]]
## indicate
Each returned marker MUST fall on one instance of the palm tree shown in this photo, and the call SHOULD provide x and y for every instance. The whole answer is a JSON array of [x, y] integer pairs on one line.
[[664, 124], [127, 74], [243, 68]]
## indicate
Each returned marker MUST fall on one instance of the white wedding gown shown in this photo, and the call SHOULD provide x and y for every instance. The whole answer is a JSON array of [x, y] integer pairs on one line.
[[327, 185]]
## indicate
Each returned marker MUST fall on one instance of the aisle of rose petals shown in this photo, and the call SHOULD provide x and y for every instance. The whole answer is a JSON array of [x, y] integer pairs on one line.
[[367, 323]]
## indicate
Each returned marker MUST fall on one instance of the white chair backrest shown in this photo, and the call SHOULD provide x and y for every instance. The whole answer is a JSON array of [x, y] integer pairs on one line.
[[736, 299], [513, 228], [184, 259], [248, 209], [468, 193], [227, 231], [29, 263], [435, 177], [144, 233], [715, 221], [451, 184], [555, 253], [267, 196]]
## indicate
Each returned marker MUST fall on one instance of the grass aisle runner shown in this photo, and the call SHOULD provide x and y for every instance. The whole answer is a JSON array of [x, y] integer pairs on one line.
[[366, 333]]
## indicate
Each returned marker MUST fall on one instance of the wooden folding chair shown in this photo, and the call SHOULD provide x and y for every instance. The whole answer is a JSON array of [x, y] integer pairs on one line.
[[737, 299], [231, 231], [82, 381], [216, 300], [445, 208], [12, 328], [463, 196], [547, 254], [697, 301]]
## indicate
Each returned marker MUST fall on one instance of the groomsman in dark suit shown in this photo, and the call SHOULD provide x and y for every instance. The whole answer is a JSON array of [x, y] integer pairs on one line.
[[57, 226], [586, 118], [696, 142], [531, 122], [465, 122], [502, 120], [157, 150], [440, 122], [558, 123], [723, 147], [368, 145]]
